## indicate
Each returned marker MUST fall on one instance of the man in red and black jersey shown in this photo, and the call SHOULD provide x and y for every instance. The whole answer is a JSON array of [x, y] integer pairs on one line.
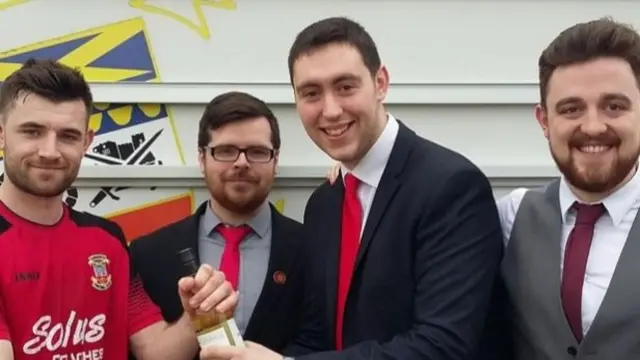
[[66, 288]]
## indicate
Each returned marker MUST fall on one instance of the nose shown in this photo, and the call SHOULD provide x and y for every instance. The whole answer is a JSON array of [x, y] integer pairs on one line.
[[49, 147], [593, 124], [331, 109], [241, 161]]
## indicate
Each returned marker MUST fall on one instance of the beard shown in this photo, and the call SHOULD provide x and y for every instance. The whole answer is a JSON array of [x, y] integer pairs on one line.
[[240, 192], [40, 185], [596, 179]]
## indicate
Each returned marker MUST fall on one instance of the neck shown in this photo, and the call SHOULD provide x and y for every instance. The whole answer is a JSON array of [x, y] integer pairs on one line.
[[40, 210], [382, 119], [229, 217], [590, 197]]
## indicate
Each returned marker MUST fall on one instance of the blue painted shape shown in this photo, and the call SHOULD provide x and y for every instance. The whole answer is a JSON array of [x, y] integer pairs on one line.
[[132, 54], [54, 52]]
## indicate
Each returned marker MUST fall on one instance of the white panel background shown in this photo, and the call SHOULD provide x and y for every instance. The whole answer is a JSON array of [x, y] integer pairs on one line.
[[505, 141], [463, 74]]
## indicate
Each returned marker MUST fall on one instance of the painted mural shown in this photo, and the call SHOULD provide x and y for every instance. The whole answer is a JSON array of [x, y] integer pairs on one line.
[[126, 134]]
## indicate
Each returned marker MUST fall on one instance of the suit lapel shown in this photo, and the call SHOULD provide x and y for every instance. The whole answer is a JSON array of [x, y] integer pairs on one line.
[[387, 187], [280, 260], [622, 296], [331, 236]]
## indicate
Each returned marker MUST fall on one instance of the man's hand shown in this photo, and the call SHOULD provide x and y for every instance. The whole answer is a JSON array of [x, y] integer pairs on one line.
[[207, 290], [333, 174], [6, 351], [253, 351]]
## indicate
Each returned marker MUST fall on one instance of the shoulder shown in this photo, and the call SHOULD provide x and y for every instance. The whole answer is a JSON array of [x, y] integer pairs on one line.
[[510, 202], [508, 206], [285, 230], [87, 220], [442, 174], [437, 159], [285, 222], [317, 199], [157, 239]]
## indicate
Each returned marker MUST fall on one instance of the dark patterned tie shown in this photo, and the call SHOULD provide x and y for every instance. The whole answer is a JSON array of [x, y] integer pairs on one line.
[[576, 254]]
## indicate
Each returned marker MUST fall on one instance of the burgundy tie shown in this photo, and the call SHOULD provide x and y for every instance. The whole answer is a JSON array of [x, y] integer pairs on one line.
[[575, 263], [230, 262], [349, 243]]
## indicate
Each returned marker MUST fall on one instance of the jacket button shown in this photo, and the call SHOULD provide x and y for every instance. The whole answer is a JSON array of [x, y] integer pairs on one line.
[[571, 350]]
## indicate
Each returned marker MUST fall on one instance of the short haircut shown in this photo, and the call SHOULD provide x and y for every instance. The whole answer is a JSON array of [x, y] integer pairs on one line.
[[335, 30], [234, 107], [49, 79], [588, 41]]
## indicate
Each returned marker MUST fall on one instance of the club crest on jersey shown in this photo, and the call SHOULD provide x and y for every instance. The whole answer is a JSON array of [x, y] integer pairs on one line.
[[101, 279]]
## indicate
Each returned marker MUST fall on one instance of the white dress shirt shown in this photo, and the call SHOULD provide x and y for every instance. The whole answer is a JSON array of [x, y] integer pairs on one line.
[[609, 237], [369, 170]]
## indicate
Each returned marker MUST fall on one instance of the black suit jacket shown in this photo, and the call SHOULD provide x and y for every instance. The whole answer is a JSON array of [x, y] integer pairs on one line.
[[276, 316], [425, 269]]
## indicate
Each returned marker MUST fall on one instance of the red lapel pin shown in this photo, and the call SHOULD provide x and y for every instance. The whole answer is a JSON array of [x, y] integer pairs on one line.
[[279, 277]]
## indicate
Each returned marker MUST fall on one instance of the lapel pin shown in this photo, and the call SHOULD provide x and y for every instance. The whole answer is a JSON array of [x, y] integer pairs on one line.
[[279, 277]]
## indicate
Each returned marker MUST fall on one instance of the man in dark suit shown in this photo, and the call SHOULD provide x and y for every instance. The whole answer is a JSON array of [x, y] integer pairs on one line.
[[402, 252], [238, 142]]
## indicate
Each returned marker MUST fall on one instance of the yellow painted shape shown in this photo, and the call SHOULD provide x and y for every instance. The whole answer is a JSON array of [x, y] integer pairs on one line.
[[201, 26], [4, 5], [106, 39], [280, 205]]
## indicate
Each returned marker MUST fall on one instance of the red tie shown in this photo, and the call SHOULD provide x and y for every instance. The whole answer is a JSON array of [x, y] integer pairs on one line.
[[575, 264], [349, 242], [230, 262]]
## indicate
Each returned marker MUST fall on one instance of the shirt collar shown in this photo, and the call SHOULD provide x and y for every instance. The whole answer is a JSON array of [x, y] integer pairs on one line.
[[618, 204], [371, 167], [259, 224]]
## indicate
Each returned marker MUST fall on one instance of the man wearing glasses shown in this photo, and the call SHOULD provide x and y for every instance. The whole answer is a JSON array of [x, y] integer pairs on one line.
[[237, 230]]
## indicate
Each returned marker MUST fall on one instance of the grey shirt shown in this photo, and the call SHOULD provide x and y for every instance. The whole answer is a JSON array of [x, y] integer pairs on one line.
[[254, 257]]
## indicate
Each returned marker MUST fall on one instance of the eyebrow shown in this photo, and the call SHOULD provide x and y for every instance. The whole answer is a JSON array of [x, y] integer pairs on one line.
[[252, 145], [31, 125], [617, 96], [339, 79], [606, 97], [565, 101], [35, 125]]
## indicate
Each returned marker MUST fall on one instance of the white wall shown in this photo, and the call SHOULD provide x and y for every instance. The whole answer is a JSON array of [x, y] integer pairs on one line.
[[463, 74], [504, 141]]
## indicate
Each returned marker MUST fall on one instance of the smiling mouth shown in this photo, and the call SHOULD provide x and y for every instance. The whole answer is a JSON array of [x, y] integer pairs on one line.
[[594, 149], [239, 181], [337, 131]]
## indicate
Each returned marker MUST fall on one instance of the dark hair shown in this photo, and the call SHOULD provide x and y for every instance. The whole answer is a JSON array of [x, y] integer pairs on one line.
[[233, 107], [335, 30], [46, 78], [588, 41]]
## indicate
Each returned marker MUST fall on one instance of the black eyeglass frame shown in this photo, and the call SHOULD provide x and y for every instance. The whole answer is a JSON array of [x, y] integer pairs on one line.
[[246, 151]]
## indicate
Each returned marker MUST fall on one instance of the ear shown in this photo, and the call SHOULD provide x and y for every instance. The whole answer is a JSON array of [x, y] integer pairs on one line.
[[543, 119], [201, 159], [382, 83], [88, 139]]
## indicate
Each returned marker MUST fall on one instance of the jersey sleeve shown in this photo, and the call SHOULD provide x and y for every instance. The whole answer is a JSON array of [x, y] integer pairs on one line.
[[4, 327], [142, 312]]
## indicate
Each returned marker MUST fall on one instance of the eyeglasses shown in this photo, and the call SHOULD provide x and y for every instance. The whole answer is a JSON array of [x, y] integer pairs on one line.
[[230, 153]]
